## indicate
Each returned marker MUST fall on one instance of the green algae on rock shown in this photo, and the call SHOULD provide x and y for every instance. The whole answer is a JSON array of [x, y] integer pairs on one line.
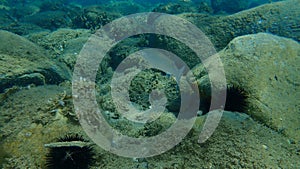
[[267, 67], [63, 44], [280, 18], [24, 63]]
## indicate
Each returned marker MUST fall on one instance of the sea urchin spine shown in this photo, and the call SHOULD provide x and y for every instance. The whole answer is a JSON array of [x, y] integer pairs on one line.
[[70, 152], [236, 99]]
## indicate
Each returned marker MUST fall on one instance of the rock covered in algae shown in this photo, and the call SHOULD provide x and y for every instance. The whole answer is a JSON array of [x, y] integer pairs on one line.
[[94, 17], [280, 18], [267, 67], [228, 6], [64, 44], [176, 8], [23, 63]]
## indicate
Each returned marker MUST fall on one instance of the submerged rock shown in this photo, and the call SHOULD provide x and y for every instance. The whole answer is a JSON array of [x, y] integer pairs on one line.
[[93, 17], [19, 11], [22, 28], [267, 68], [10, 21], [280, 18], [63, 44], [23, 63], [176, 8], [49, 19], [231, 6], [124, 7]]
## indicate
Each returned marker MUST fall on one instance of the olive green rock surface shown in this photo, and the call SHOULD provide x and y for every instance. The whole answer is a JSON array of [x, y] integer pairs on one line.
[[23, 63], [63, 44], [280, 18], [267, 68]]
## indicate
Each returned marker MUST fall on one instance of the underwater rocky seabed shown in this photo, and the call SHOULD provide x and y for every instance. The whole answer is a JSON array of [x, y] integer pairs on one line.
[[37, 59]]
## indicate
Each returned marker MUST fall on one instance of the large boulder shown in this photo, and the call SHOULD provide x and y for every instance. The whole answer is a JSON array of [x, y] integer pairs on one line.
[[266, 67], [280, 18], [176, 8], [23, 63], [64, 44], [229, 6], [124, 7], [94, 17], [49, 19]]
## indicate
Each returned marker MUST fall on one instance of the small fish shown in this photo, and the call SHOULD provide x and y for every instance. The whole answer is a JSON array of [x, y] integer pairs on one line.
[[165, 61], [185, 0]]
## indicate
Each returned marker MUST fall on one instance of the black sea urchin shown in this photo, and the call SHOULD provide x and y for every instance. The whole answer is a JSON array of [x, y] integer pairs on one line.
[[70, 157], [236, 99]]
